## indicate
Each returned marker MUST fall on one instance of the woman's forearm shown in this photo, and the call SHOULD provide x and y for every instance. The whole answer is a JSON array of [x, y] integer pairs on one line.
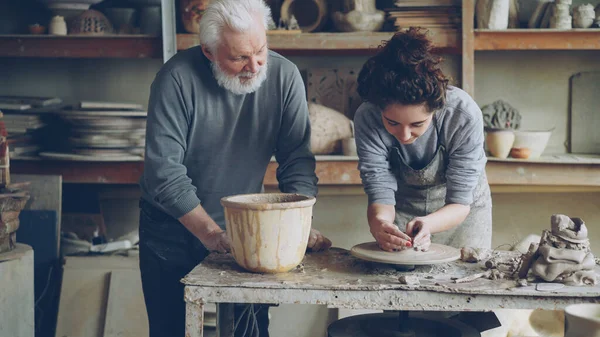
[[447, 217], [380, 213]]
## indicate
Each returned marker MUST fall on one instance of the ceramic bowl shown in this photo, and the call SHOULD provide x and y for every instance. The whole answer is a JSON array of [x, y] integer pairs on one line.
[[582, 320], [268, 231], [530, 144]]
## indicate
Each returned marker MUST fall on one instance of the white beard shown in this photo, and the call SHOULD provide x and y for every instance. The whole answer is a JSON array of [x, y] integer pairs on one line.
[[234, 83]]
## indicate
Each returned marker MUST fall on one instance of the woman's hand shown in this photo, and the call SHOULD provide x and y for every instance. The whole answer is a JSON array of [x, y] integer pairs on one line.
[[420, 232], [389, 237]]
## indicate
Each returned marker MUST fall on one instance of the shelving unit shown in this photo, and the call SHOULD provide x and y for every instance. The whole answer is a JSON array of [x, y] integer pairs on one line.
[[537, 39], [48, 46], [332, 171], [566, 174], [332, 43]]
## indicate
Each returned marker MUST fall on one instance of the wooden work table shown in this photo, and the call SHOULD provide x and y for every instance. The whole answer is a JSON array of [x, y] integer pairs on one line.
[[337, 279], [566, 173]]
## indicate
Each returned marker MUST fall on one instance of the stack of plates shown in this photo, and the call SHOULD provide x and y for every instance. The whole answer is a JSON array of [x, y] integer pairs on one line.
[[104, 131]]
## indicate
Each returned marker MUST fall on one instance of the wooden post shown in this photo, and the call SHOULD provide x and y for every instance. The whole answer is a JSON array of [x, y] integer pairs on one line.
[[468, 47]]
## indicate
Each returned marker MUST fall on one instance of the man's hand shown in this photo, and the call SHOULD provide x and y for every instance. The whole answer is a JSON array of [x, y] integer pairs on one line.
[[389, 237], [206, 230], [217, 241], [420, 232], [317, 242]]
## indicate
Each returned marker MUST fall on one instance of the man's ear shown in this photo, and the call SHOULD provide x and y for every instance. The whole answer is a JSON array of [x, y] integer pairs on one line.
[[209, 55]]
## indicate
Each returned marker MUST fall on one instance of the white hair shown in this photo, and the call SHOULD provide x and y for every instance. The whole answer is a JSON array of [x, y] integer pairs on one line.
[[238, 15]]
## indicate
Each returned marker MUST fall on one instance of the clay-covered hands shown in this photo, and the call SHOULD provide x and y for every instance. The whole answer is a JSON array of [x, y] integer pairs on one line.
[[389, 237], [420, 232], [317, 242], [217, 241]]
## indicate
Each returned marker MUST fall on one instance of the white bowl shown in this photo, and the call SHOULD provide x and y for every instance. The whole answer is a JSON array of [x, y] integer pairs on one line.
[[534, 141], [582, 320]]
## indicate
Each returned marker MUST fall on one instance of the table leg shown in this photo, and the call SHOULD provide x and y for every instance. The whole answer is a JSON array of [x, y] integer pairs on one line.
[[194, 319], [225, 319]]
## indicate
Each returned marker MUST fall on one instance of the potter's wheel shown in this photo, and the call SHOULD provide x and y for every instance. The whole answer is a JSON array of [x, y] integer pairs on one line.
[[437, 253], [399, 325]]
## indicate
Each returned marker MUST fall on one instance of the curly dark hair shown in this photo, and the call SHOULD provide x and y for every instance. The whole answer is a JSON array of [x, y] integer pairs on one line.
[[404, 71]]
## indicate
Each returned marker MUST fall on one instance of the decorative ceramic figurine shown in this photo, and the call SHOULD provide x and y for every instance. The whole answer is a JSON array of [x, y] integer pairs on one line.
[[583, 16], [58, 26], [191, 12]]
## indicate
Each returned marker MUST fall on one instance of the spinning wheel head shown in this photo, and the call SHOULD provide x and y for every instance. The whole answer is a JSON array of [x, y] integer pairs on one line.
[[437, 253]]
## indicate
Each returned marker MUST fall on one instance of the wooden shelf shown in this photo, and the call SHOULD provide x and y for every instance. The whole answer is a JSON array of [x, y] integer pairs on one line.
[[331, 43], [537, 39], [113, 46], [333, 172]]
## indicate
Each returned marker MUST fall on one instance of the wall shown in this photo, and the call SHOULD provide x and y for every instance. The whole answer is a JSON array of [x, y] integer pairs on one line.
[[534, 82]]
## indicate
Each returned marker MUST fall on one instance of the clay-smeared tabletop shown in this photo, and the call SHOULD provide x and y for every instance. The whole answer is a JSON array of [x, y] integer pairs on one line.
[[336, 269], [436, 254], [337, 279]]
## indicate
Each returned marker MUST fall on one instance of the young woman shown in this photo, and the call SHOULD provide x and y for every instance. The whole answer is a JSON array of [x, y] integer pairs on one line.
[[420, 149]]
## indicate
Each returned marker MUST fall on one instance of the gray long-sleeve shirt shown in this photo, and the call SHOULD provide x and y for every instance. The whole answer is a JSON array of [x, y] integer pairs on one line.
[[461, 132], [204, 143]]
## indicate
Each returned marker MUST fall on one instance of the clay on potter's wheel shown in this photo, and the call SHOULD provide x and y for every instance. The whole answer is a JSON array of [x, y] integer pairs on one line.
[[436, 254]]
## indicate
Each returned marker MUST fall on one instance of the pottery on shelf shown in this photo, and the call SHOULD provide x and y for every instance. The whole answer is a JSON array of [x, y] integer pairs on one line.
[[499, 142], [90, 22], [269, 232], [530, 144], [191, 12], [329, 127], [492, 14], [583, 16], [58, 26], [69, 9], [358, 16], [310, 14]]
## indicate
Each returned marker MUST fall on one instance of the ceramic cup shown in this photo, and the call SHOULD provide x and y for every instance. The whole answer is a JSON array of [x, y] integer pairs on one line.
[[582, 320], [349, 146], [499, 142]]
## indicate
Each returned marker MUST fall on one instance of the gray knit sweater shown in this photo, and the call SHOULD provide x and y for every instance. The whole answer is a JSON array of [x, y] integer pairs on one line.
[[204, 143]]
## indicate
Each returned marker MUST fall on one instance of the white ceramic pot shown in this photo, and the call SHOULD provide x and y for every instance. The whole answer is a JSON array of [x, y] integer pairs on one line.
[[534, 141], [582, 320], [268, 232], [499, 142]]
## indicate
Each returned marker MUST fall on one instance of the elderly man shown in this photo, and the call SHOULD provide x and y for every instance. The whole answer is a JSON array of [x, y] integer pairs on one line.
[[217, 113]]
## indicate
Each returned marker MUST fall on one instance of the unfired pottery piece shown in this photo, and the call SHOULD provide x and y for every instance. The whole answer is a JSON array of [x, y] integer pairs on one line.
[[269, 231], [436, 254]]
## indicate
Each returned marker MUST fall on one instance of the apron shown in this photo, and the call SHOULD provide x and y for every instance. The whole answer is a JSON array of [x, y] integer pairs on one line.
[[422, 192]]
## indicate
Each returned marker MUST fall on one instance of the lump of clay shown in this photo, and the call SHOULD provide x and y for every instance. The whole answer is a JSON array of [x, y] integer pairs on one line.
[[472, 255], [564, 253], [501, 115]]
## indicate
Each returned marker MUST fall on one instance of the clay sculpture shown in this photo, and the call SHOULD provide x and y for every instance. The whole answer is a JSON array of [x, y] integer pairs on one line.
[[564, 253]]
